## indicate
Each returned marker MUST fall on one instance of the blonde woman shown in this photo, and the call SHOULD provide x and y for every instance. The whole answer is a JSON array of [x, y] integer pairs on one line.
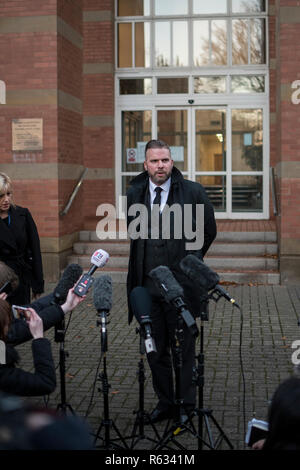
[[20, 245]]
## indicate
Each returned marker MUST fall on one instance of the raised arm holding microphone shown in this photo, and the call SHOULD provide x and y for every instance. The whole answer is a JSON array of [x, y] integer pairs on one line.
[[32, 326], [146, 253]]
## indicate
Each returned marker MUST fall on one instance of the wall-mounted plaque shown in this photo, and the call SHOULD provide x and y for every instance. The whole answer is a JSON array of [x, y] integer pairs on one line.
[[27, 134]]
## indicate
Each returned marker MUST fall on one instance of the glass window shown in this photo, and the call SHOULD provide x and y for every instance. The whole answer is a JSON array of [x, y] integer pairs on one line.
[[248, 6], [171, 7], [239, 42], [247, 193], [210, 140], [201, 43], [142, 44], [247, 84], [211, 7], [219, 42], [124, 45], [162, 44], [133, 7], [248, 35], [180, 44], [172, 128], [257, 41], [135, 86], [210, 84], [215, 187], [136, 131], [247, 139], [210, 42], [172, 85]]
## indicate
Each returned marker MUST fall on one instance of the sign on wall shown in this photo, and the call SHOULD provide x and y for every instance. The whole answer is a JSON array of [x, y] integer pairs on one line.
[[27, 134]]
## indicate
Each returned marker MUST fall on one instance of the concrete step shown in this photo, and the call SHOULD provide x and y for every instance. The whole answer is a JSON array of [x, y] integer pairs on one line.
[[227, 277], [217, 248], [228, 237], [237, 257], [215, 263]]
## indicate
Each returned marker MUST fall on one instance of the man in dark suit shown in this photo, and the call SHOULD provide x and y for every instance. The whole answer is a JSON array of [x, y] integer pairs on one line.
[[146, 253]]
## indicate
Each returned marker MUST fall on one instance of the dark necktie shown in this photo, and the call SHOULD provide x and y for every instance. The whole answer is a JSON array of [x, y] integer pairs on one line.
[[157, 199]]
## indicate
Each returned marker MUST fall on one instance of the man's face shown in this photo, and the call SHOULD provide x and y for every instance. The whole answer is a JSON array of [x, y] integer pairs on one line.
[[158, 164]]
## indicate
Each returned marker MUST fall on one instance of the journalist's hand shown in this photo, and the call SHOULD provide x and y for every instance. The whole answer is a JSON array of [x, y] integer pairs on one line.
[[35, 323], [72, 301]]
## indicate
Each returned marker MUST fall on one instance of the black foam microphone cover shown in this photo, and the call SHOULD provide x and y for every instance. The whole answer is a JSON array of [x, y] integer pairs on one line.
[[102, 293], [69, 277], [166, 283], [199, 272], [140, 302]]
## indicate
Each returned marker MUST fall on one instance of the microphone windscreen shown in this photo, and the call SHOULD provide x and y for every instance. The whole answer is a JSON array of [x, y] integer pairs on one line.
[[166, 282], [140, 302], [102, 293], [199, 272], [69, 277]]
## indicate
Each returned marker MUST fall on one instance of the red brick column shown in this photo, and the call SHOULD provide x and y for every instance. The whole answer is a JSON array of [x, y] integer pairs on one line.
[[41, 65], [287, 138], [98, 107]]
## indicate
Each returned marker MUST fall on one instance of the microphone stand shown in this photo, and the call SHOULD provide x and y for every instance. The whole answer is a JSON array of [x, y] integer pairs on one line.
[[141, 415], [205, 414], [60, 338], [183, 421], [106, 422]]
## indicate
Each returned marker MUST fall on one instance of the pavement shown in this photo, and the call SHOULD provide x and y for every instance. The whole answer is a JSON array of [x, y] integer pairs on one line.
[[247, 352]]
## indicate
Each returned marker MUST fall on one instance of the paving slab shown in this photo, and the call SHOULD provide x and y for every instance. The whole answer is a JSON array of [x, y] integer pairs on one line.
[[247, 354]]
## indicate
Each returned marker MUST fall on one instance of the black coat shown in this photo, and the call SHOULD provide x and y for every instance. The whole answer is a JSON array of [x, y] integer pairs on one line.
[[50, 313], [16, 381], [20, 250], [182, 192]]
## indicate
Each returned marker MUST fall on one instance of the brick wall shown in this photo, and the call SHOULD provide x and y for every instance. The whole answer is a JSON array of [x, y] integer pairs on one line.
[[42, 69], [287, 138], [98, 107]]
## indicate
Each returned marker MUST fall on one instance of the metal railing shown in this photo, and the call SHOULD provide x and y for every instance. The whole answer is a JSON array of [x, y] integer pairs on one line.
[[274, 192], [74, 193]]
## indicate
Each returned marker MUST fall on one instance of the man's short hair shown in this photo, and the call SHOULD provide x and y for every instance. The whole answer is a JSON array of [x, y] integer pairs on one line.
[[157, 144]]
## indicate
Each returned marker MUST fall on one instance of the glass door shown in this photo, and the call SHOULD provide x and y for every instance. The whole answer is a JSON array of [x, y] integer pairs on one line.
[[221, 147], [210, 154]]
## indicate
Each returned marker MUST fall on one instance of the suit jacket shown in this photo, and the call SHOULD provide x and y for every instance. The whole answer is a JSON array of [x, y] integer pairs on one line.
[[20, 249], [182, 192]]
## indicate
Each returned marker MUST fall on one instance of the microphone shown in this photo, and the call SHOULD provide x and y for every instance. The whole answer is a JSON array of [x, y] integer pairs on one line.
[[140, 301], [102, 296], [173, 294], [69, 277], [99, 259], [204, 277]]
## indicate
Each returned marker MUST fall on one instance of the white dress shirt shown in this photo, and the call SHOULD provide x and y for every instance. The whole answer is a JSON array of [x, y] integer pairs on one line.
[[164, 194]]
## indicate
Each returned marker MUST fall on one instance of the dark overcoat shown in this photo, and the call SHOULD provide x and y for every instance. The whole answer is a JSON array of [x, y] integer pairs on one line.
[[20, 250], [16, 381], [181, 192]]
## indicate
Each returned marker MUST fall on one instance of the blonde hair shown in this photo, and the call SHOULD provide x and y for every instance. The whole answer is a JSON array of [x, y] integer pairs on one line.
[[5, 185]]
